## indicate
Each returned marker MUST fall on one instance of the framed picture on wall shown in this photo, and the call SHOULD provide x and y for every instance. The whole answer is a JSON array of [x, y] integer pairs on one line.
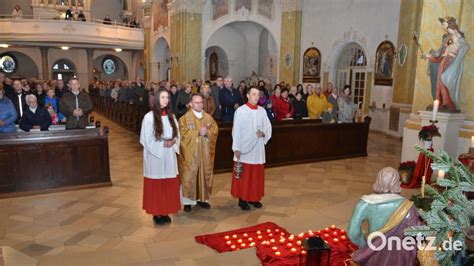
[[384, 60], [8, 63], [312, 65]]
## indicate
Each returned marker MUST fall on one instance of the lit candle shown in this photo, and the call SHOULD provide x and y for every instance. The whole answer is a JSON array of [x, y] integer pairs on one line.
[[334, 233], [252, 244], [246, 235], [277, 230], [250, 239], [423, 182], [269, 230], [258, 232], [234, 236], [243, 245], [239, 241], [472, 142], [333, 227], [228, 243], [310, 233], [282, 241], [289, 245], [259, 237], [293, 250], [441, 174], [303, 252], [272, 240], [343, 237], [232, 247], [326, 229], [300, 236], [435, 109], [270, 235], [342, 231], [335, 240], [274, 248], [298, 243], [291, 237], [227, 237], [277, 253], [326, 235]]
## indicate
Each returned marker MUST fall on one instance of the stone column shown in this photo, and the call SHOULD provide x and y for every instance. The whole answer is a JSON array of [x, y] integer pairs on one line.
[[147, 30], [44, 63], [290, 51], [186, 39], [90, 64]]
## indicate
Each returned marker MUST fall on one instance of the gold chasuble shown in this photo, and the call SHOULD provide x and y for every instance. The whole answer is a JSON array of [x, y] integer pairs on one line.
[[196, 160]]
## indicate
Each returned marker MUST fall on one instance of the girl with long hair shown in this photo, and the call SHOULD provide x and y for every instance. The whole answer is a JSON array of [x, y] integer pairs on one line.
[[160, 139]]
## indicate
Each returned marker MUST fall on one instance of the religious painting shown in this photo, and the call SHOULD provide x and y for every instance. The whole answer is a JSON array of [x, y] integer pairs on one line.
[[265, 8], [288, 60], [220, 8], [7, 63], [402, 54], [312, 65], [213, 66], [160, 14], [384, 64], [247, 4]]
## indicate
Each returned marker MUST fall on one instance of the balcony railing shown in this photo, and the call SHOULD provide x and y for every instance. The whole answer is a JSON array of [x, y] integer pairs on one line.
[[37, 29]]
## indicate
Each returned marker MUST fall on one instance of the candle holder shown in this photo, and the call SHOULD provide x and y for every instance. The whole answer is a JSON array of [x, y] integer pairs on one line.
[[238, 169], [316, 248]]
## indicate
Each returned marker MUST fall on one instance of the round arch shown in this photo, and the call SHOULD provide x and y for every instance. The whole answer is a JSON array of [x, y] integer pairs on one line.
[[160, 61], [217, 66], [336, 53], [24, 65], [234, 38], [63, 69], [110, 67]]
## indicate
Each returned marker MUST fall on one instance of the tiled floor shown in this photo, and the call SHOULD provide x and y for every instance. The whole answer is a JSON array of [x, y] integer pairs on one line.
[[106, 226]]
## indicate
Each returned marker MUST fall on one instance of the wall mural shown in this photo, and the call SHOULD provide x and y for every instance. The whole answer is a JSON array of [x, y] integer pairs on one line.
[[312, 65], [265, 8], [160, 14], [384, 64], [219, 8], [243, 3]]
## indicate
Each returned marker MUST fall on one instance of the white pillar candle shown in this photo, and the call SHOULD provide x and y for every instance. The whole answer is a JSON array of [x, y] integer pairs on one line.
[[435, 109], [472, 142], [441, 174]]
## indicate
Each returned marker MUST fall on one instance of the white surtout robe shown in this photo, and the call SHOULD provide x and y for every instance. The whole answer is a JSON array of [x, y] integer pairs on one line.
[[244, 134], [159, 162]]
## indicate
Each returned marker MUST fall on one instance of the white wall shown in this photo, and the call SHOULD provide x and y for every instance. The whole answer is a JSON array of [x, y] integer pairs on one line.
[[209, 27], [330, 25], [112, 8]]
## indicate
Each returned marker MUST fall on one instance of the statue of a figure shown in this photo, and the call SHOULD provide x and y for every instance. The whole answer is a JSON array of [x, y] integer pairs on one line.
[[446, 65], [388, 213]]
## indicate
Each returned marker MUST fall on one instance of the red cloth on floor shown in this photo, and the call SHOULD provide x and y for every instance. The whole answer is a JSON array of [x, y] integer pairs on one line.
[[251, 185], [161, 196], [340, 251], [422, 162]]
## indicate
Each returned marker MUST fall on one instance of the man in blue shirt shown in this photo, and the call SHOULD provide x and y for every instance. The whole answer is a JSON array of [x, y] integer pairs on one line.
[[8, 113]]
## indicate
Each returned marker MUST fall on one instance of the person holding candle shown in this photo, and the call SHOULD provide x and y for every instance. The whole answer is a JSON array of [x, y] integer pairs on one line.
[[198, 145], [250, 133], [378, 209], [160, 139]]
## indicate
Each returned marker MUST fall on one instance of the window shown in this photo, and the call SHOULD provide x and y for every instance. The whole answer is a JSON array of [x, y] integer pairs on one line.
[[7, 63], [108, 66]]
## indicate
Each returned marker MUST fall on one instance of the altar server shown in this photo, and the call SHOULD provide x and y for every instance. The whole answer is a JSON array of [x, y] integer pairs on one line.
[[251, 132], [160, 139]]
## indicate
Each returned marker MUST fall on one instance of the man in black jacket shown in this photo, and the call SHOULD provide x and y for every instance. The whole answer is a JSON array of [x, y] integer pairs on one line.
[[18, 98], [34, 117]]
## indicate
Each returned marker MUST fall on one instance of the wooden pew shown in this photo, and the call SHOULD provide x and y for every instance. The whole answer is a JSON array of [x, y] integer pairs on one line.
[[48, 161]]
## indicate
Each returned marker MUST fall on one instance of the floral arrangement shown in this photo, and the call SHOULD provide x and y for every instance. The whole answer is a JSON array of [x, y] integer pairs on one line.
[[428, 132], [408, 165]]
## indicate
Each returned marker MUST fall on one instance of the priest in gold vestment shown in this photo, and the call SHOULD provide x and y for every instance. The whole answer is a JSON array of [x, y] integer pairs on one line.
[[196, 162]]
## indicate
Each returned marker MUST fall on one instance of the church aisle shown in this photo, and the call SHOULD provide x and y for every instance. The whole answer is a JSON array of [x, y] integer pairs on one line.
[[106, 226]]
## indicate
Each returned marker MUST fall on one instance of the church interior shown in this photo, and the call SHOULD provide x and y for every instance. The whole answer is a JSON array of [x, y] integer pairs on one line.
[[368, 113]]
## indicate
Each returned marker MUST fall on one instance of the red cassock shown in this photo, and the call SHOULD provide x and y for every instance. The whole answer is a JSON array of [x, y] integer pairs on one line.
[[423, 168], [161, 196], [251, 185]]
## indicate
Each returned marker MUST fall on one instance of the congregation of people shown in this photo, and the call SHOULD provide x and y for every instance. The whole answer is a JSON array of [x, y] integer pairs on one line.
[[221, 98], [36, 105]]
